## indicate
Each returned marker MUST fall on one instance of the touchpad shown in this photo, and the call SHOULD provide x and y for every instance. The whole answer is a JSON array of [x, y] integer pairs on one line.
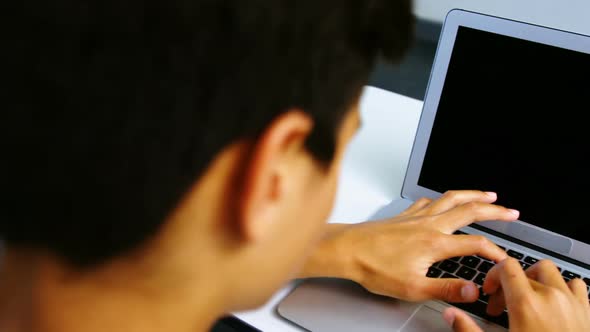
[[429, 318], [426, 319], [342, 306]]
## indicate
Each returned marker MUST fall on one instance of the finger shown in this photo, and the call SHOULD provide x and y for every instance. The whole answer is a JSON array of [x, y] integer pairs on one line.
[[451, 290], [510, 276], [578, 287], [496, 303], [417, 206], [469, 245], [469, 213], [497, 300], [453, 198], [546, 272], [460, 321]]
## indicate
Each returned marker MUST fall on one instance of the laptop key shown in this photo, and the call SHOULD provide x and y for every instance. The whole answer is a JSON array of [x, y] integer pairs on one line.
[[515, 254], [449, 276], [524, 265], [466, 273], [483, 296], [485, 267], [433, 272], [470, 261], [530, 260], [480, 279], [448, 266], [570, 275]]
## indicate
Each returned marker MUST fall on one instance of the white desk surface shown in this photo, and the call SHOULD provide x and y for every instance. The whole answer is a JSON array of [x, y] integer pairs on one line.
[[372, 175]]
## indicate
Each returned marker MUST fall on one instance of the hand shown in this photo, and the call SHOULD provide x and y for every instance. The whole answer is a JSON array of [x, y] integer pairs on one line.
[[391, 257], [538, 300]]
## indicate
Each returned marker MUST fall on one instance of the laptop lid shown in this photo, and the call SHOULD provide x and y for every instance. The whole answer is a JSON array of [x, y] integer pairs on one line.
[[504, 112]]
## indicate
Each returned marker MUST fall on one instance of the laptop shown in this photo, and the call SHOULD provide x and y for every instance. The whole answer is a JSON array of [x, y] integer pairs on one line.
[[503, 112]]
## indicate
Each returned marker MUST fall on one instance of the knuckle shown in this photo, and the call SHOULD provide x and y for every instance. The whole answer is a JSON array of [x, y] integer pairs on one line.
[[429, 219], [475, 209], [555, 294], [472, 206], [577, 283], [546, 264], [447, 291], [430, 240], [451, 195], [423, 200], [512, 264], [481, 241], [523, 303]]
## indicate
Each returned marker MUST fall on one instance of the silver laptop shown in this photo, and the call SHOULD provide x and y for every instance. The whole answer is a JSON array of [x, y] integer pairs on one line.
[[503, 112]]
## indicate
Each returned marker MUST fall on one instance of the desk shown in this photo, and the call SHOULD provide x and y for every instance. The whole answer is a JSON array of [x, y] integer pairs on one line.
[[372, 175]]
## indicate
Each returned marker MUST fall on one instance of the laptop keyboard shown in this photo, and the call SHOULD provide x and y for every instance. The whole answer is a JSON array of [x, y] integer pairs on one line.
[[475, 268]]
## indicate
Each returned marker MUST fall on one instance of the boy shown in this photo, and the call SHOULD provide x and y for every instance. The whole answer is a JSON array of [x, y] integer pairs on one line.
[[157, 150]]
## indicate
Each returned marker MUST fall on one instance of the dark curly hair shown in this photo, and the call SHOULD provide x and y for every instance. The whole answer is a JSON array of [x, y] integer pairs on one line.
[[115, 108]]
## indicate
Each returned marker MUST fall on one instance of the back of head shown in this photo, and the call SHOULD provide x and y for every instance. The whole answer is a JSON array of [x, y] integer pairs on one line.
[[115, 108]]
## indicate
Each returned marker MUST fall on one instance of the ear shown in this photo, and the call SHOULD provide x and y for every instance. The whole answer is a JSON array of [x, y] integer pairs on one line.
[[264, 193]]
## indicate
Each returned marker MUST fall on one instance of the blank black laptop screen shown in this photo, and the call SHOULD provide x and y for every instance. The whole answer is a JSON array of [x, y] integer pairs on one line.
[[512, 119]]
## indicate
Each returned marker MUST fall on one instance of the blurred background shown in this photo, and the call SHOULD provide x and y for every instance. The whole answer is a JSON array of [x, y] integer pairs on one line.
[[410, 77]]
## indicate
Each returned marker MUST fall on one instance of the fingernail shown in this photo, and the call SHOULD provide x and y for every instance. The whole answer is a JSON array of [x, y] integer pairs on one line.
[[491, 194], [468, 292], [516, 213], [449, 317]]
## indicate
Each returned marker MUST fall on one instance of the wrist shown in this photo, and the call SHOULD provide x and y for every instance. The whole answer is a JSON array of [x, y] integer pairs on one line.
[[331, 257]]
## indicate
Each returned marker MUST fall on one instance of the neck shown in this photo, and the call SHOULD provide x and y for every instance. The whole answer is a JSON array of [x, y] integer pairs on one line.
[[37, 295]]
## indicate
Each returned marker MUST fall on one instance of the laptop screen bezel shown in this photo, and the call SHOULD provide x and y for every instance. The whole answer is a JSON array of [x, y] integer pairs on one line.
[[411, 190]]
